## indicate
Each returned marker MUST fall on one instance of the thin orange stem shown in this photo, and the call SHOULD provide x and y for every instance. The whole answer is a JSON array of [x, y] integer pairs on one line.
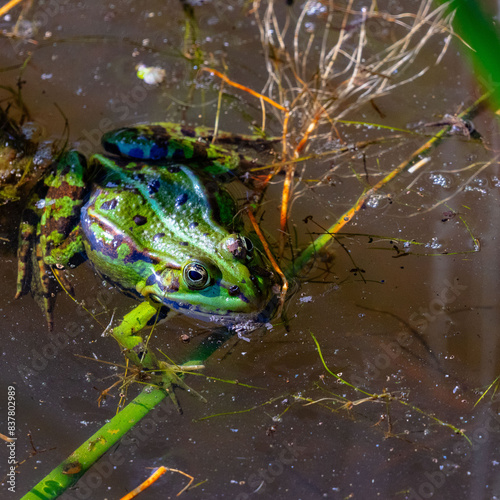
[[285, 198], [8, 6], [154, 477], [246, 89], [270, 256], [307, 133]]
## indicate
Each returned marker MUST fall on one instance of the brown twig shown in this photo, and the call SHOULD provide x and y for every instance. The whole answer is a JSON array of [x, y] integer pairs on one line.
[[153, 478]]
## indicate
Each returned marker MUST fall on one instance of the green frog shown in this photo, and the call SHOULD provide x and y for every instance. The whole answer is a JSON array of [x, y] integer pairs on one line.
[[154, 219]]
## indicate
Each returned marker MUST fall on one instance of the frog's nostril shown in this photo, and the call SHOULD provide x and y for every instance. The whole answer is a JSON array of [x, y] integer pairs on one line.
[[234, 290]]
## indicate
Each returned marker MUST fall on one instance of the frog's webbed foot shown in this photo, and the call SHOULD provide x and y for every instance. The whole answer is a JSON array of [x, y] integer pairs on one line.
[[170, 377]]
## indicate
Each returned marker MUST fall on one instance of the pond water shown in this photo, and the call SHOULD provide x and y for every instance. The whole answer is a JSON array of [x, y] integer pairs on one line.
[[404, 301]]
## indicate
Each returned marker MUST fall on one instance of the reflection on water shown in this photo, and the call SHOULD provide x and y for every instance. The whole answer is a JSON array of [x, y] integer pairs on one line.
[[401, 302]]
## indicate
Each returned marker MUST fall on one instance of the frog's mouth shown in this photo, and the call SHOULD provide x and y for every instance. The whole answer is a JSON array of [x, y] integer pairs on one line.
[[230, 313], [221, 302], [249, 320], [226, 315]]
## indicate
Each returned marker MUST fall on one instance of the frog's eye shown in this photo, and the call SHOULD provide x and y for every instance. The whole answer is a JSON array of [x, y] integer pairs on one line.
[[196, 276]]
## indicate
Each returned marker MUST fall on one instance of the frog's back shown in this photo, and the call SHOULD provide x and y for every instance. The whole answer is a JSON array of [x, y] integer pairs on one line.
[[143, 214]]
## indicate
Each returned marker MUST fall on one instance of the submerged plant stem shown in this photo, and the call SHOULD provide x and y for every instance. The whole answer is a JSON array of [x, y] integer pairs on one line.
[[325, 238], [72, 469]]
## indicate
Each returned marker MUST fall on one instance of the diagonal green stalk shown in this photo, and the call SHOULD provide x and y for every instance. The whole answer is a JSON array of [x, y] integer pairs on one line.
[[309, 252], [59, 480], [67, 473]]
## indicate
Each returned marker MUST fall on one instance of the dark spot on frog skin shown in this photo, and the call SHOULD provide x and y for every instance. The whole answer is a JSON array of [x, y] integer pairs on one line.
[[154, 186], [260, 271], [140, 220], [159, 132], [181, 199], [188, 132], [158, 151], [174, 169], [151, 280], [184, 244], [174, 285], [109, 205], [178, 155], [135, 153], [234, 290], [158, 236], [193, 225]]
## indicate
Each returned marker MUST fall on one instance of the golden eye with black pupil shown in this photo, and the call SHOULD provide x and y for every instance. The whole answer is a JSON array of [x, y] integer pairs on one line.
[[196, 276]]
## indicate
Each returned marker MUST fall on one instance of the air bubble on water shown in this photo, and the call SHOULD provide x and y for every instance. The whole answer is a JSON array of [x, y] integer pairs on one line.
[[374, 200], [434, 244], [316, 8], [440, 180], [475, 189]]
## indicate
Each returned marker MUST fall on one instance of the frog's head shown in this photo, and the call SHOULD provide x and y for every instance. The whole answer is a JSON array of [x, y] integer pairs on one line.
[[228, 284]]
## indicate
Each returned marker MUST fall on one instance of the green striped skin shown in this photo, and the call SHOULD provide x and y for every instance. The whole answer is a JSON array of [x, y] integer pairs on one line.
[[171, 141], [144, 223], [50, 227], [152, 220]]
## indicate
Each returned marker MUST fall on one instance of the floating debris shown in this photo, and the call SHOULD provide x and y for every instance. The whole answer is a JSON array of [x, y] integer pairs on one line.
[[152, 75]]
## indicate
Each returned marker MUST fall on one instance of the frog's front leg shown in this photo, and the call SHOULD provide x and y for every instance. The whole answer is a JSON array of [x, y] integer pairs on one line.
[[133, 345], [162, 373]]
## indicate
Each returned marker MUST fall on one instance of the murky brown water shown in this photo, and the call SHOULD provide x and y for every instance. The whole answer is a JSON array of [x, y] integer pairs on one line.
[[422, 326]]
